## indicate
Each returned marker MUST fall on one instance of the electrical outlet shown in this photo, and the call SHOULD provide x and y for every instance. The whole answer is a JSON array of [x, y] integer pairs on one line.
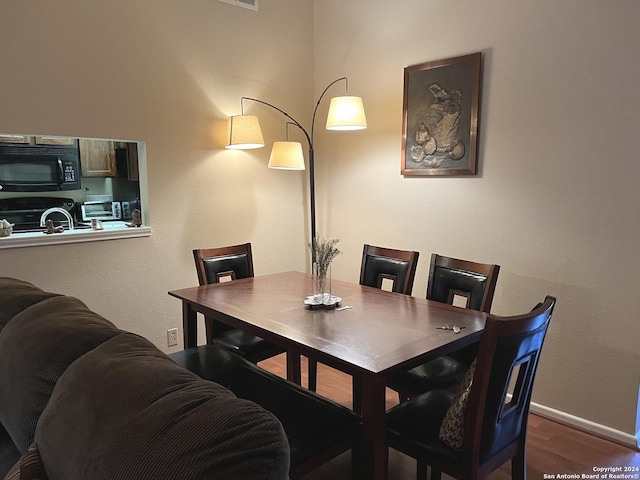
[[172, 337]]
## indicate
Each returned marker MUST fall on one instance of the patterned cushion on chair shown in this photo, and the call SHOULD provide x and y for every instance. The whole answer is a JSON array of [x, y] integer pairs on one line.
[[452, 427]]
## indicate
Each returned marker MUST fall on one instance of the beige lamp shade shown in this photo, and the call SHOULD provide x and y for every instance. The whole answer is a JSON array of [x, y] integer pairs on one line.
[[244, 133], [346, 113], [287, 156]]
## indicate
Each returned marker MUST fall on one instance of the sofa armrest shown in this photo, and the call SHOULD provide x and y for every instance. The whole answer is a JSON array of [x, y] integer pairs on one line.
[[126, 411]]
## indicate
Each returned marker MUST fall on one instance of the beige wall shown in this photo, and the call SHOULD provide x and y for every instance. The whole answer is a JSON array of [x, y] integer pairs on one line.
[[556, 199], [167, 73]]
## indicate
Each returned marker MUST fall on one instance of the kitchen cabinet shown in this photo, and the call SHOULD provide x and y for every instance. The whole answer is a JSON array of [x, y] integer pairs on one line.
[[54, 141], [127, 160], [8, 138], [98, 158], [36, 140]]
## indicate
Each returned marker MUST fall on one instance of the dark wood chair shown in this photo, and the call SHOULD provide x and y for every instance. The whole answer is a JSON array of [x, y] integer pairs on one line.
[[317, 428], [468, 439], [380, 264], [231, 263], [453, 281]]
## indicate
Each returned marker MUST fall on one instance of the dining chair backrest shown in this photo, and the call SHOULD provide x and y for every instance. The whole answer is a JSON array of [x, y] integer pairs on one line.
[[397, 266], [452, 278], [498, 408], [223, 263], [219, 264]]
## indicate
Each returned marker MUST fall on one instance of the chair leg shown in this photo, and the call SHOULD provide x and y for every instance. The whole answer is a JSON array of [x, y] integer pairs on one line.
[[422, 471], [436, 473], [293, 368], [208, 325], [519, 464], [313, 375], [356, 459], [356, 395]]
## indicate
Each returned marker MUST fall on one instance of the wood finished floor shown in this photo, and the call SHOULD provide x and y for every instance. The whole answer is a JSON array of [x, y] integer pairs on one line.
[[552, 448]]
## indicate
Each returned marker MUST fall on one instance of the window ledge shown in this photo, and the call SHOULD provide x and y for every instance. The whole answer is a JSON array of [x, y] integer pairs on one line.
[[35, 239]]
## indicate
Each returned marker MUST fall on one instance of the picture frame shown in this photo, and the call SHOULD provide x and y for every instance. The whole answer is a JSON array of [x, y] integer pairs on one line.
[[441, 104]]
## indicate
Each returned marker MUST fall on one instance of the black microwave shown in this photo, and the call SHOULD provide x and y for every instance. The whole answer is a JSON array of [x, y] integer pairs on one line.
[[21, 172]]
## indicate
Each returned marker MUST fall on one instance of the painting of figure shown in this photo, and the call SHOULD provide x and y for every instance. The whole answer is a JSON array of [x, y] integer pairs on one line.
[[440, 117]]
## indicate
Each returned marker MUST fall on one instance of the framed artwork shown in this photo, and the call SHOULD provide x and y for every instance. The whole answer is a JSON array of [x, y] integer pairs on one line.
[[440, 117]]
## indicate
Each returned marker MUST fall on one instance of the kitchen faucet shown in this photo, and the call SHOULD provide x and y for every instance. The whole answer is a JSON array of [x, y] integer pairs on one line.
[[48, 211]]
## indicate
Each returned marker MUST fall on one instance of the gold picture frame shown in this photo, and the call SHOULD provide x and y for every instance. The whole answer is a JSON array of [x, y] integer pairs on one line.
[[440, 111]]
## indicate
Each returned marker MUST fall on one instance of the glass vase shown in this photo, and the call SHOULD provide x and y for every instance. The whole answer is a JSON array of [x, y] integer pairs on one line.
[[321, 284]]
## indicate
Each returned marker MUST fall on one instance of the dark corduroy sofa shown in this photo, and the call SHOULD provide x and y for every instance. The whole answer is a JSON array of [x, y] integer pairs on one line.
[[82, 400]]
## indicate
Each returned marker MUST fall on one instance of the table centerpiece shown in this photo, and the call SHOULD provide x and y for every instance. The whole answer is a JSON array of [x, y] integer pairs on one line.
[[323, 253]]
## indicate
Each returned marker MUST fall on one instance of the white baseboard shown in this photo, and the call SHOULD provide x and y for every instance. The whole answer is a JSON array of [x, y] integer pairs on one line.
[[603, 431]]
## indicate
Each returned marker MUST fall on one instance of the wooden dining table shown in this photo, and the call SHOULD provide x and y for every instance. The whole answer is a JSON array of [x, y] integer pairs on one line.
[[382, 332]]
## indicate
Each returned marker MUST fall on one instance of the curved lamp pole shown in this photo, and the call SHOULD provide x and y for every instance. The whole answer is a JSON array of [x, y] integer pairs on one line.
[[346, 121]]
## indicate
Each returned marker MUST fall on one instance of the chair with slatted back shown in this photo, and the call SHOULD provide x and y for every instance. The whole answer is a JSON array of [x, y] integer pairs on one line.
[[380, 265], [231, 263], [462, 283], [471, 433]]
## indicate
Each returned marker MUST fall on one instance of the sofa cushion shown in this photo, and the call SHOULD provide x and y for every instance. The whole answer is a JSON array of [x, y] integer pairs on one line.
[[29, 467], [16, 296], [9, 454], [13, 473], [36, 347], [127, 411]]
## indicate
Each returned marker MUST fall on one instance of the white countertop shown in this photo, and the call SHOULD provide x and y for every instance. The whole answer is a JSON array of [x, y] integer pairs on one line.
[[110, 230]]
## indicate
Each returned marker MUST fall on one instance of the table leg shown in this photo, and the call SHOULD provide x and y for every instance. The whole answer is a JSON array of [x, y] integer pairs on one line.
[[374, 454], [356, 395], [294, 373], [189, 326], [312, 382]]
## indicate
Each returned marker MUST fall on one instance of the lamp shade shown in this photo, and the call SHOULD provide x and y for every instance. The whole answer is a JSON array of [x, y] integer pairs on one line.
[[287, 156], [244, 132], [346, 113]]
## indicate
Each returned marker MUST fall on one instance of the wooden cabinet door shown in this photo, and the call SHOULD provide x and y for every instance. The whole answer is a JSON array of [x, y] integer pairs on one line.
[[54, 141], [9, 138], [98, 158], [132, 162]]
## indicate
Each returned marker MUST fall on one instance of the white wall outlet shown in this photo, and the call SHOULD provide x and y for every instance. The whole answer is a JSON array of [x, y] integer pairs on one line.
[[172, 337]]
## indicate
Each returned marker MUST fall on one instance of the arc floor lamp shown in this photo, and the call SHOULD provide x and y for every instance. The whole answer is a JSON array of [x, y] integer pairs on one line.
[[345, 113]]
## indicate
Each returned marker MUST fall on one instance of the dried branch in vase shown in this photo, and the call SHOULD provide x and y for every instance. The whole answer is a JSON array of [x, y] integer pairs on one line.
[[323, 252]]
